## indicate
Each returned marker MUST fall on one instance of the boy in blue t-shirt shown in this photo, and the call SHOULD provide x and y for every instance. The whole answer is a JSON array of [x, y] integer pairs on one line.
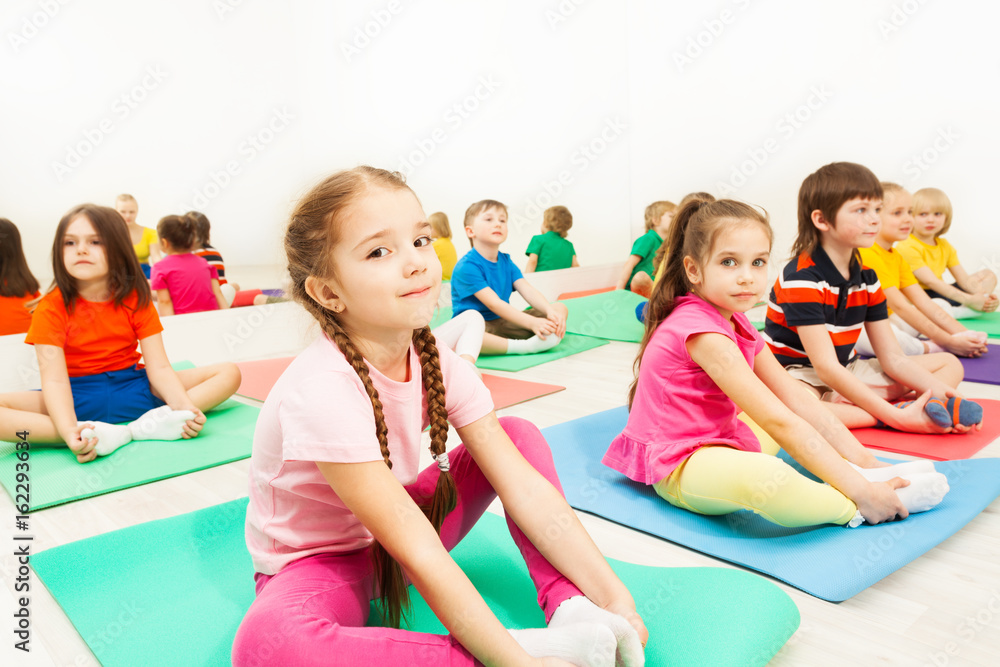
[[484, 279], [550, 250], [825, 296]]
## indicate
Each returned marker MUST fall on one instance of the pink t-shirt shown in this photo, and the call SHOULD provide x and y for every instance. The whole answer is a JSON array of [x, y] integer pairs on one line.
[[188, 278], [677, 406], [318, 410]]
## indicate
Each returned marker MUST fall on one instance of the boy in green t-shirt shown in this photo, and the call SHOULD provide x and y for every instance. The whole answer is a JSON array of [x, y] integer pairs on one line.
[[550, 250]]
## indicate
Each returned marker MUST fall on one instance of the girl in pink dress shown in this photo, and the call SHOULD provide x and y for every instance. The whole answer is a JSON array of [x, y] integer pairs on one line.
[[701, 363]]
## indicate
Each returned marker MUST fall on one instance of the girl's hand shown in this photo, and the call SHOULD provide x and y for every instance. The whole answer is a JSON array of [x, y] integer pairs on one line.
[[193, 426], [82, 447], [882, 503]]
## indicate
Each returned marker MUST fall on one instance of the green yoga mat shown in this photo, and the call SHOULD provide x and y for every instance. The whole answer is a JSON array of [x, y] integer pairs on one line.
[[988, 322], [609, 315], [56, 477], [571, 344], [173, 592]]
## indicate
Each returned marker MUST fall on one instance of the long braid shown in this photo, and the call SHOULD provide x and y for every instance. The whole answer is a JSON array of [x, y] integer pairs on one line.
[[445, 496]]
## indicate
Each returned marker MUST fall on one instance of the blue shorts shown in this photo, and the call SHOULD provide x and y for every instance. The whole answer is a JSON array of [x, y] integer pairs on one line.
[[114, 397], [146, 269]]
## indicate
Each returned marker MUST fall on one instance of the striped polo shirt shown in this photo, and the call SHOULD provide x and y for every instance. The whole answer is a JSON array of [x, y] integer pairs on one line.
[[810, 290]]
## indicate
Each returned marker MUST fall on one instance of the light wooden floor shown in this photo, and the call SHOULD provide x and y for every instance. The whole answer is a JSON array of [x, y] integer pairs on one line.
[[948, 599]]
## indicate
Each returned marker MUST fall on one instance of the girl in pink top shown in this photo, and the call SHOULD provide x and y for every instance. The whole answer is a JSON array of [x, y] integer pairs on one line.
[[701, 362], [338, 508], [184, 282]]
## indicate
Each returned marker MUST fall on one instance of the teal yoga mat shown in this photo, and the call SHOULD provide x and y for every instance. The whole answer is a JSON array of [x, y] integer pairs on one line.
[[830, 562], [173, 592], [609, 315], [56, 477], [988, 322]]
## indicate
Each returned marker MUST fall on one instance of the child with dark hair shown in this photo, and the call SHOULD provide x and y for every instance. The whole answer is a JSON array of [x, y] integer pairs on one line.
[[85, 333], [184, 282], [18, 286], [550, 250]]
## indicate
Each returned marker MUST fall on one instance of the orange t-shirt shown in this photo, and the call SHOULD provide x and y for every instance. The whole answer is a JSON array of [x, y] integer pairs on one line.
[[14, 317], [97, 337]]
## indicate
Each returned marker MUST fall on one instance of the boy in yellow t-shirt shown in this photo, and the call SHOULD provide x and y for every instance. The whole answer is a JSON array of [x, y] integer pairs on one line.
[[912, 313], [928, 255]]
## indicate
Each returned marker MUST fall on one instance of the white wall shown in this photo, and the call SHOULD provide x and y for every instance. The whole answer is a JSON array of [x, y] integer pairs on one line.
[[485, 99]]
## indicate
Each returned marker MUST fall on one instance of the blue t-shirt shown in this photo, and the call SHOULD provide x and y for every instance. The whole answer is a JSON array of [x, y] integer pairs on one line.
[[474, 272]]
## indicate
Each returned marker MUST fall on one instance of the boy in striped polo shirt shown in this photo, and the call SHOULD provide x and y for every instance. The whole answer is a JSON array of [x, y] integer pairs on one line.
[[824, 297]]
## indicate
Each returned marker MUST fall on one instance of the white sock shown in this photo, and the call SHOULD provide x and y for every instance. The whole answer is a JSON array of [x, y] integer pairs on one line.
[[532, 345], [933, 347], [583, 644], [978, 336], [160, 423], [228, 293], [109, 436], [925, 491], [904, 470], [580, 609]]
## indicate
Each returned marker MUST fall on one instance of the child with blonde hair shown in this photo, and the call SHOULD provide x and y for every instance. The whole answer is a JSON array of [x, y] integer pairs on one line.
[[18, 286], [184, 282], [929, 255], [445, 249], [144, 240], [637, 273], [485, 278], [918, 322], [96, 393], [339, 511], [701, 362], [550, 250]]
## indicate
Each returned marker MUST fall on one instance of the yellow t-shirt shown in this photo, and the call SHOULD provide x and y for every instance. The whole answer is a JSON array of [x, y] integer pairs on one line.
[[445, 250], [935, 257], [142, 247], [890, 267]]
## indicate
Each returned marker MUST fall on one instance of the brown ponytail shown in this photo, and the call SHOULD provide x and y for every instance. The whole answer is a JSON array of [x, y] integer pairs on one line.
[[311, 235], [692, 232]]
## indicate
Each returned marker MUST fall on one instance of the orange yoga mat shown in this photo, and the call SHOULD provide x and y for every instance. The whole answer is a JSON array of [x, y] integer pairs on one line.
[[586, 292], [944, 447], [260, 376]]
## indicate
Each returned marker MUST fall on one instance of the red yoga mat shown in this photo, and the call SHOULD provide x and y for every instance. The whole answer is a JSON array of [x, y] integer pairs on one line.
[[944, 447], [586, 292], [260, 376]]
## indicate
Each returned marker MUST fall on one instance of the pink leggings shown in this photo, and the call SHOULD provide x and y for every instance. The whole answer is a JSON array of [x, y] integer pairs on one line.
[[313, 612]]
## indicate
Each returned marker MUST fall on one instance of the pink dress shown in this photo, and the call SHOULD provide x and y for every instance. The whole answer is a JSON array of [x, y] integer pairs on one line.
[[677, 406], [188, 278]]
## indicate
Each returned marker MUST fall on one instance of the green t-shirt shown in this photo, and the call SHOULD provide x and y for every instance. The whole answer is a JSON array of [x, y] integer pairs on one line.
[[645, 247], [554, 252]]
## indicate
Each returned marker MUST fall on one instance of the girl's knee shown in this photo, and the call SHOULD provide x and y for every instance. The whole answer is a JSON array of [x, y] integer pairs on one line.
[[526, 437]]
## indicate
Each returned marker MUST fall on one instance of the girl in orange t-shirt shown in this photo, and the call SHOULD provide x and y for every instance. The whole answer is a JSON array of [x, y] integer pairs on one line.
[[17, 285], [95, 395]]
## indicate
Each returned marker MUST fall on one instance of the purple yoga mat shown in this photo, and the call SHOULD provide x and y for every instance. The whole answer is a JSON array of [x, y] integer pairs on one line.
[[984, 369]]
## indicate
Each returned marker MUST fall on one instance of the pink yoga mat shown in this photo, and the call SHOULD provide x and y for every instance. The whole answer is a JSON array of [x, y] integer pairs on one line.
[[945, 447], [985, 368], [260, 376]]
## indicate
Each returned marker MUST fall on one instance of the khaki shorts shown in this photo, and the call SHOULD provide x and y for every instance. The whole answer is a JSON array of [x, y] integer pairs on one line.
[[868, 371], [505, 329]]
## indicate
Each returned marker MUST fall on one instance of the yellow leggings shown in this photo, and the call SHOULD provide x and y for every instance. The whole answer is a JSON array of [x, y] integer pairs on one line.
[[718, 479]]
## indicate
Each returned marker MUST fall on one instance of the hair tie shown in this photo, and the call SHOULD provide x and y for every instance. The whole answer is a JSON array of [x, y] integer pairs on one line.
[[442, 461]]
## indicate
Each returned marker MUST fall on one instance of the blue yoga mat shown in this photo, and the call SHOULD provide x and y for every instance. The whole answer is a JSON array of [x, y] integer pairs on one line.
[[830, 562]]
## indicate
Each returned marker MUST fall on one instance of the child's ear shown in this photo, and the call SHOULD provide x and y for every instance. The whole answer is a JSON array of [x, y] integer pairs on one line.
[[691, 270], [468, 232], [820, 222], [323, 293]]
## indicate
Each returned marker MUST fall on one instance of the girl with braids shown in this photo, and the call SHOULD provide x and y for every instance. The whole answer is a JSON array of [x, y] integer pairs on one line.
[[701, 361], [339, 512]]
